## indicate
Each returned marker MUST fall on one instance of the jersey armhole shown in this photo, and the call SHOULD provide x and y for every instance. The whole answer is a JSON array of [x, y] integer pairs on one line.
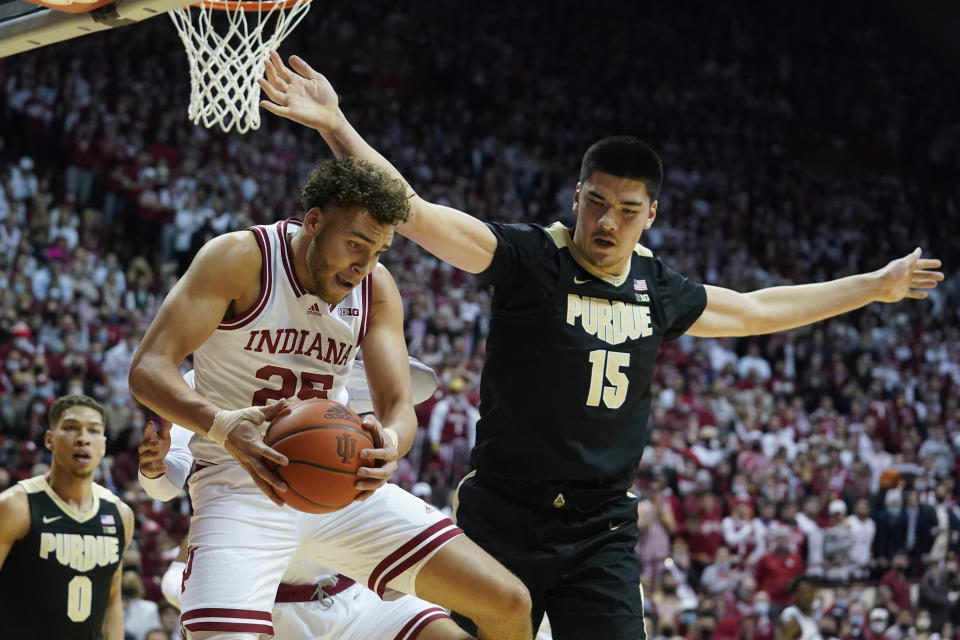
[[266, 283]]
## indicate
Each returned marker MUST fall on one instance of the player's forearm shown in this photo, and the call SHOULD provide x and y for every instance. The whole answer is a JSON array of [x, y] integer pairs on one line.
[[783, 308], [156, 383], [403, 421], [113, 620], [345, 141]]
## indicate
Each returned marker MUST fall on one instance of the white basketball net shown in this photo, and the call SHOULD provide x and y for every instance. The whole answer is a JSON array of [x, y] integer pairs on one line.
[[224, 67]]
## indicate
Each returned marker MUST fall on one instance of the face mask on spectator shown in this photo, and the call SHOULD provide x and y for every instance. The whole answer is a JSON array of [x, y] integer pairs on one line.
[[18, 288], [856, 621], [762, 608], [13, 366], [878, 626], [923, 624]]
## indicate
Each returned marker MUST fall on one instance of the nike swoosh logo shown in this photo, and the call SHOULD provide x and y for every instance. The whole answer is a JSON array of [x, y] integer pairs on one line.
[[48, 520], [613, 526], [577, 280]]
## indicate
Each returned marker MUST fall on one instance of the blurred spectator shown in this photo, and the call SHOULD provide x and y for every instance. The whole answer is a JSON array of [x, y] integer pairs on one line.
[[778, 568], [862, 531], [940, 591], [139, 615]]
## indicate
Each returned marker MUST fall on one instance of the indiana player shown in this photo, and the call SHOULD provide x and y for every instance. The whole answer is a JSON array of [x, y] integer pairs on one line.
[[62, 538], [578, 316], [279, 311], [312, 602]]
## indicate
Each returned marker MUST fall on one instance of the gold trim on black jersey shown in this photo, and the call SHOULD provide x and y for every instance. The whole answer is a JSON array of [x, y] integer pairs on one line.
[[561, 237], [37, 484]]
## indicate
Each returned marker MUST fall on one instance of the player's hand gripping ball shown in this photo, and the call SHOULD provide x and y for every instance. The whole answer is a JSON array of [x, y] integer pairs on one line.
[[322, 439]]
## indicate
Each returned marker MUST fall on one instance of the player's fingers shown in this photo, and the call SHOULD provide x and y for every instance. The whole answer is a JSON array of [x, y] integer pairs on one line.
[[265, 474], [153, 468], [271, 410], [273, 77], [374, 428], [916, 295], [364, 495], [928, 275], [282, 71], [272, 455], [276, 109], [272, 92], [150, 430], [164, 431], [275, 68], [300, 65], [369, 485], [148, 452], [928, 263], [381, 473]]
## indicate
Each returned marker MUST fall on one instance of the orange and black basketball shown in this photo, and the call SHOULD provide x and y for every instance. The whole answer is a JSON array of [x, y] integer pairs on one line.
[[322, 439]]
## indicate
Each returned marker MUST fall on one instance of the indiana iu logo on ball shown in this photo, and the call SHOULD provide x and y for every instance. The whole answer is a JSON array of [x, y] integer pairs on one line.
[[346, 448]]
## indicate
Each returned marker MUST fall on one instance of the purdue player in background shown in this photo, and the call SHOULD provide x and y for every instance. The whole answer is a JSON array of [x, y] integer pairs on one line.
[[578, 316], [62, 538]]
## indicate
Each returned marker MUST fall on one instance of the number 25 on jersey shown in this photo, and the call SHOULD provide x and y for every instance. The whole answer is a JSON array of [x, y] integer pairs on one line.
[[608, 384]]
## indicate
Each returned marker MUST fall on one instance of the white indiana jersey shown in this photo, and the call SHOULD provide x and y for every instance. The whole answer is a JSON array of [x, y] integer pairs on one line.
[[288, 344]]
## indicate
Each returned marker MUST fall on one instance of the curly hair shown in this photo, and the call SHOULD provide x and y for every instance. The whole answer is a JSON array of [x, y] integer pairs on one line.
[[61, 404], [352, 182]]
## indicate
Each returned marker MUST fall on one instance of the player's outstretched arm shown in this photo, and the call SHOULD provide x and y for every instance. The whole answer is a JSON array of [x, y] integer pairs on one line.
[[189, 315], [301, 94], [731, 314]]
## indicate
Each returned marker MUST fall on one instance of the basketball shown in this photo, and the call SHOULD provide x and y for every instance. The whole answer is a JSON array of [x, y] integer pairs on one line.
[[322, 439]]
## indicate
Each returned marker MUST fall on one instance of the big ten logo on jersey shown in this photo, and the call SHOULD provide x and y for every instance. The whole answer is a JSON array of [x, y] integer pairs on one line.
[[614, 322], [299, 342], [349, 311], [80, 552]]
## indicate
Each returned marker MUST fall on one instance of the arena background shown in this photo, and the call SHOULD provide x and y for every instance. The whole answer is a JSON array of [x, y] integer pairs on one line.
[[801, 142]]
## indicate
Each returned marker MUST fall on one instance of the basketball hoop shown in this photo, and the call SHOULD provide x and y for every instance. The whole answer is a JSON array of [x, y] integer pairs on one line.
[[225, 64]]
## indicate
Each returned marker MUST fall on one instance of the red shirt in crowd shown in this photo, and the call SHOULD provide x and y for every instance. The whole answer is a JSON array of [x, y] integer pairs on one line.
[[774, 574], [900, 587]]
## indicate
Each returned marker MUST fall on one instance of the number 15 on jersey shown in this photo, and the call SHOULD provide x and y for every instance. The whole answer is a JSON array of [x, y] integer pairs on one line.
[[607, 382]]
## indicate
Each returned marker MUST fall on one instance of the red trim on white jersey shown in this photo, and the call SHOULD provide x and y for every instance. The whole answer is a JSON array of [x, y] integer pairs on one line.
[[223, 619], [416, 624], [266, 283], [366, 289], [287, 254], [412, 552]]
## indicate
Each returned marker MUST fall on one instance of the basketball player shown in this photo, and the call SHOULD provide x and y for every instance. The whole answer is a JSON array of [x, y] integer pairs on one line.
[[62, 538], [276, 312], [312, 602], [578, 316]]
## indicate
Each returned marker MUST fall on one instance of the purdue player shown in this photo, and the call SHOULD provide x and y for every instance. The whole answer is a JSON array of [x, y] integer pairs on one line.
[[578, 316], [279, 311], [62, 538]]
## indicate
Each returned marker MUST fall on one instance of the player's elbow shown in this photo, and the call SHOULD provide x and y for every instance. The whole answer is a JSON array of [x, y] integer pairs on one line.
[[138, 380]]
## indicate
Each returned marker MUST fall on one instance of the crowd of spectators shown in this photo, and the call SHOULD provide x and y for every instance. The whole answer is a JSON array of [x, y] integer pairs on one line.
[[797, 148]]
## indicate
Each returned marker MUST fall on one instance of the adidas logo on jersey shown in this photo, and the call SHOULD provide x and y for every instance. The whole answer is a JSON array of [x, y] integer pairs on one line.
[[314, 310]]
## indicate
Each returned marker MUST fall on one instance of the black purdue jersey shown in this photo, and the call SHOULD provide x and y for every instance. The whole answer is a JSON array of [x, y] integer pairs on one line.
[[565, 390], [55, 582]]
